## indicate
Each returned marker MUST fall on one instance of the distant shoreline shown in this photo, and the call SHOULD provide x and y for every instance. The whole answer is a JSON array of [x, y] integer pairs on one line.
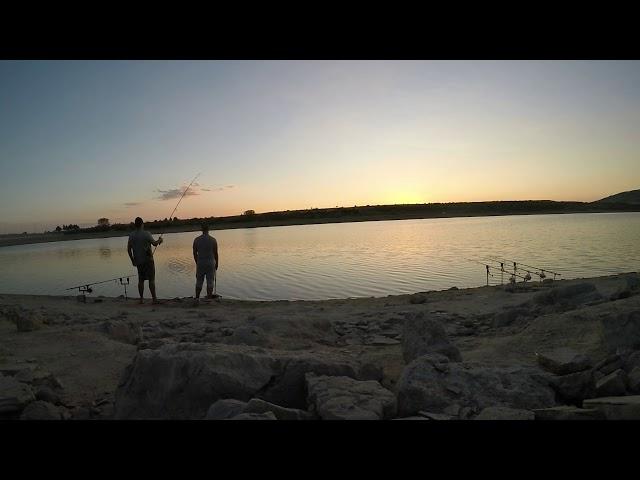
[[6, 241]]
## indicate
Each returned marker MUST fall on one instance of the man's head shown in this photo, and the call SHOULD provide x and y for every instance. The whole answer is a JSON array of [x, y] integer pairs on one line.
[[138, 222], [205, 228]]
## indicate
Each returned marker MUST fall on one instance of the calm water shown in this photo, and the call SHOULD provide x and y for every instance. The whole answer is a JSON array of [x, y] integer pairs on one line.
[[340, 260]]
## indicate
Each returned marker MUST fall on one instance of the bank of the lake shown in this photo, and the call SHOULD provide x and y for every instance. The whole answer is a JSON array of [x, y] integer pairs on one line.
[[485, 352], [321, 216]]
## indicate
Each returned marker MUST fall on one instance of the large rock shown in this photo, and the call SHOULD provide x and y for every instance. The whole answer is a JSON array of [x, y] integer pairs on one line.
[[616, 408], [621, 330], [432, 383], [225, 408], [565, 412], [505, 413], [14, 395], [40, 410], [257, 405], [422, 335], [46, 394], [181, 381], [563, 361], [632, 361], [609, 364], [612, 385], [288, 388], [575, 387], [343, 398]]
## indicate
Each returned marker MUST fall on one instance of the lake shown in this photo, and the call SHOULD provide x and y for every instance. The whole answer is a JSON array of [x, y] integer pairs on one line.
[[310, 262]]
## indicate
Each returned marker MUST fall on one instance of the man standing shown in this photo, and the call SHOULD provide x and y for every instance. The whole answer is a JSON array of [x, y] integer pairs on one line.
[[205, 254], [139, 250]]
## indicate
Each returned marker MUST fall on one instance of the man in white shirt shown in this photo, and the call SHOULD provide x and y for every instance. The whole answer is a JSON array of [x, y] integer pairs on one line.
[[205, 254]]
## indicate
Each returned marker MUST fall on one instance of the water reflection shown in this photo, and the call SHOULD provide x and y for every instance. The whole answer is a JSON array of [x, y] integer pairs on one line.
[[340, 260]]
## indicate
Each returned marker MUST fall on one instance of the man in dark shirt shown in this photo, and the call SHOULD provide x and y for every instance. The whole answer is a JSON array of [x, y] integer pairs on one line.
[[139, 250]]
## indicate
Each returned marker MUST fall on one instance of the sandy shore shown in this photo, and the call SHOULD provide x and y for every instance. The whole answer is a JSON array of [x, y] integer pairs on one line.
[[88, 346]]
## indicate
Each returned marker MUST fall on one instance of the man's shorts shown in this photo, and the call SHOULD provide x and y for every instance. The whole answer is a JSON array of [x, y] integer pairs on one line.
[[204, 271], [147, 271]]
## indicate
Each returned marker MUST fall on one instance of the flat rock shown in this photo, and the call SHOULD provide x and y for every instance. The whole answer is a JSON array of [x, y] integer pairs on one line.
[[379, 340], [14, 395], [505, 413], [563, 361], [255, 416], [612, 385], [257, 405], [343, 398], [424, 333], [225, 408], [40, 410], [432, 383], [434, 416], [616, 408], [565, 412]]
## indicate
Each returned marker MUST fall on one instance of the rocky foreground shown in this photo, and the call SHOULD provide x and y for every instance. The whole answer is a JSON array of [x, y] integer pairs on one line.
[[567, 350]]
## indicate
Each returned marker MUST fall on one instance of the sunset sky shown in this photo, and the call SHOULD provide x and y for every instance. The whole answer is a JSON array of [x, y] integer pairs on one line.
[[81, 140]]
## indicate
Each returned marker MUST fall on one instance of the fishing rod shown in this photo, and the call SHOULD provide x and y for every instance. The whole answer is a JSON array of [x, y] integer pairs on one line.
[[86, 288], [488, 267], [540, 271], [174, 210]]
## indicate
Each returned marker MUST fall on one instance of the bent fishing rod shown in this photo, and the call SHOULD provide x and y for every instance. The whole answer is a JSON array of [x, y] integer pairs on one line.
[[86, 288], [176, 208]]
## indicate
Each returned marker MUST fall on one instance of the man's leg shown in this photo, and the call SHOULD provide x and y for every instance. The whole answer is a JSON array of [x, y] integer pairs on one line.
[[141, 289], [152, 287], [210, 283], [199, 281]]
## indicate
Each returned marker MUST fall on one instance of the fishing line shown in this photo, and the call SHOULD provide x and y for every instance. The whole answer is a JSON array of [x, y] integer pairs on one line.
[[176, 208]]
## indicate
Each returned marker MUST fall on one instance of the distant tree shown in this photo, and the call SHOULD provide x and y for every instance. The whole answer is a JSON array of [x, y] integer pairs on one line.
[[103, 222], [58, 228], [249, 212]]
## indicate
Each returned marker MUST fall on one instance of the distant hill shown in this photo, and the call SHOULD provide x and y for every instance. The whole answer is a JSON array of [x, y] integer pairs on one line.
[[632, 198]]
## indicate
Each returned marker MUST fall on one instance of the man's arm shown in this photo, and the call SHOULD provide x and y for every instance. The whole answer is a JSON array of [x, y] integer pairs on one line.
[[130, 252], [215, 252], [195, 252], [153, 242]]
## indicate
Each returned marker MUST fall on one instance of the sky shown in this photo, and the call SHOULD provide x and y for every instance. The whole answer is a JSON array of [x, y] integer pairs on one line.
[[81, 140]]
